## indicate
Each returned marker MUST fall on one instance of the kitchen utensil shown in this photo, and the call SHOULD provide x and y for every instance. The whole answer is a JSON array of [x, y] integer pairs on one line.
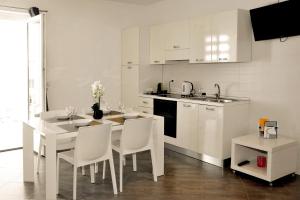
[[82, 122], [159, 88], [187, 88], [131, 115]]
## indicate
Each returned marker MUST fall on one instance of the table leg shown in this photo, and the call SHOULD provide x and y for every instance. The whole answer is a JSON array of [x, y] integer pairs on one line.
[[51, 167], [28, 157], [159, 145]]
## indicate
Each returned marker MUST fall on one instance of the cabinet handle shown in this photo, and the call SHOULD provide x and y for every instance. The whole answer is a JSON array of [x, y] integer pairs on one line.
[[199, 60], [145, 102], [145, 112], [129, 67], [187, 105], [176, 46], [224, 59], [129, 62], [210, 109], [156, 61]]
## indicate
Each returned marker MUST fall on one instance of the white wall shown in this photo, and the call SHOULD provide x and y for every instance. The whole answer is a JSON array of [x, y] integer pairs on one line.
[[83, 45], [271, 80]]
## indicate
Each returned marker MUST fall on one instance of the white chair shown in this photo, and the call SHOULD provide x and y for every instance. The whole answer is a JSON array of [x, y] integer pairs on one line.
[[93, 145], [136, 137], [62, 144]]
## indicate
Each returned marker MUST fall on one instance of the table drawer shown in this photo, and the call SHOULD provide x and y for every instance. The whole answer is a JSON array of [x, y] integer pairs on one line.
[[146, 102], [146, 110]]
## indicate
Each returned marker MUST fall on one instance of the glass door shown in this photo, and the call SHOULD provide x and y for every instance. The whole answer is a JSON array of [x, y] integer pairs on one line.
[[36, 67], [13, 78]]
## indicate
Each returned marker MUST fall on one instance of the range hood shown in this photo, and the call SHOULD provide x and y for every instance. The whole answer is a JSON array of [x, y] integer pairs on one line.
[[177, 54]]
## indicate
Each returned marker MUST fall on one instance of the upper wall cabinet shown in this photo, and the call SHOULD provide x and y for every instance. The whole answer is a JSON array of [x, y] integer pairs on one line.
[[130, 46], [224, 37], [157, 52], [177, 40], [200, 40]]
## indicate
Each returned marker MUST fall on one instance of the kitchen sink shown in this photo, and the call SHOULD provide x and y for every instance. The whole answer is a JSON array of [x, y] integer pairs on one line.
[[199, 98], [213, 99]]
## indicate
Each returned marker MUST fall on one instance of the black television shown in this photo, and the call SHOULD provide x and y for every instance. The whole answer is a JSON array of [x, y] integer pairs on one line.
[[278, 20]]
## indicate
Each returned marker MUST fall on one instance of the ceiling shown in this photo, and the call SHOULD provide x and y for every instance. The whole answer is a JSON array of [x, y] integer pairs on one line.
[[138, 2]]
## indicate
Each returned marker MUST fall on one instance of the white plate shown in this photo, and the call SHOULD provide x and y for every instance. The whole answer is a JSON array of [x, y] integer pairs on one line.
[[106, 111], [82, 122], [131, 115], [62, 117]]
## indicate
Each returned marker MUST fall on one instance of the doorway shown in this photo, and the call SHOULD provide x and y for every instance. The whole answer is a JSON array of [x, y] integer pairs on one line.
[[21, 75]]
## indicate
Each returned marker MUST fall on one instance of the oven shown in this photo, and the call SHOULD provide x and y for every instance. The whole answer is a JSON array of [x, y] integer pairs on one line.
[[168, 110]]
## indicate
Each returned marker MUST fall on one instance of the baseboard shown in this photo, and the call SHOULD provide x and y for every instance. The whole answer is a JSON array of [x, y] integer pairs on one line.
[[198, 156]]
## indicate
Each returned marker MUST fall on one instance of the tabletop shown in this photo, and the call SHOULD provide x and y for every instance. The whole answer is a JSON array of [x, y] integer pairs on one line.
[[65, 128]]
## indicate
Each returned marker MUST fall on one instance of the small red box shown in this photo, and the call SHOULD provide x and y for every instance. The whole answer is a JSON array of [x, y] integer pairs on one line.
[[261, 161]]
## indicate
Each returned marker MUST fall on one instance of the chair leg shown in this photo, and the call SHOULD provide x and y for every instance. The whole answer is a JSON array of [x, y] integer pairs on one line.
[[83, 171], [104, 167], [134, 162], [113, 174], [96, 168], [153, 158], [39, 156], [92, 173], [121, 173], [74, 182], [57, 175]]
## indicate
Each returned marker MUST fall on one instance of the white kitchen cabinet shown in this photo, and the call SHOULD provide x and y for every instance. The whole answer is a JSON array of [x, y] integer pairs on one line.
[[210, 130], [187, 129], [200, 40], [157, 51], [130, 85], [177, 40], [145, 110], [145, 105], [222, 37], [130, 46]]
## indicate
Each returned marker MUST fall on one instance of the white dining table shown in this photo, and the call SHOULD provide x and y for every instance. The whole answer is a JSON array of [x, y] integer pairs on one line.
[[54, 131]]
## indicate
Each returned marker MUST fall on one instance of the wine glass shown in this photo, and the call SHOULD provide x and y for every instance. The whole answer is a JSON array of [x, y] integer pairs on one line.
[[121, 107]]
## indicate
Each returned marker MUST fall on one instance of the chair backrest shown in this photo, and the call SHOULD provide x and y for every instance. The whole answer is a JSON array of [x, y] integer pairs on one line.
[[92, 142], [136, 133]]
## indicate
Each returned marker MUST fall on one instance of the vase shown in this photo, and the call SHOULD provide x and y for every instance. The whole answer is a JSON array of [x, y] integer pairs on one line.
[[98, 114]]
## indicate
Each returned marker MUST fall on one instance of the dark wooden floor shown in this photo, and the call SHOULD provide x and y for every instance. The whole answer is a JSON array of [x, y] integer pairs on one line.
[[185, 178]]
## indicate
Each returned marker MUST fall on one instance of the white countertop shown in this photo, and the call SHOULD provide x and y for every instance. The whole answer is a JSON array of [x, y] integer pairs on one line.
[[257, 142], [186, 100]]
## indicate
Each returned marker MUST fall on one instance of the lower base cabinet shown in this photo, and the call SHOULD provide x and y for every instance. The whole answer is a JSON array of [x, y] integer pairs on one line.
[[187, 130], [210, 121], [208, 130]]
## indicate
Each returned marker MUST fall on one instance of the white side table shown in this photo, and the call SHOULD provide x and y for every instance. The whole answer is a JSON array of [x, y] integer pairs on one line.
[[281, 156]]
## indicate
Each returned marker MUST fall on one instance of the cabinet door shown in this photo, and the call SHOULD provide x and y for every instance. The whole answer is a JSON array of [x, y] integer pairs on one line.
[[130, 46], [200, 40], [177, 35], [210, 130], [130, 89], [145, 110], [224, 29], [157, 51], [187, 129]]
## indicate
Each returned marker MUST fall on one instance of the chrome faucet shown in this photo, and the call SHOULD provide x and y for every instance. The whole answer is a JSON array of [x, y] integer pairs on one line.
[[218, 95]]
